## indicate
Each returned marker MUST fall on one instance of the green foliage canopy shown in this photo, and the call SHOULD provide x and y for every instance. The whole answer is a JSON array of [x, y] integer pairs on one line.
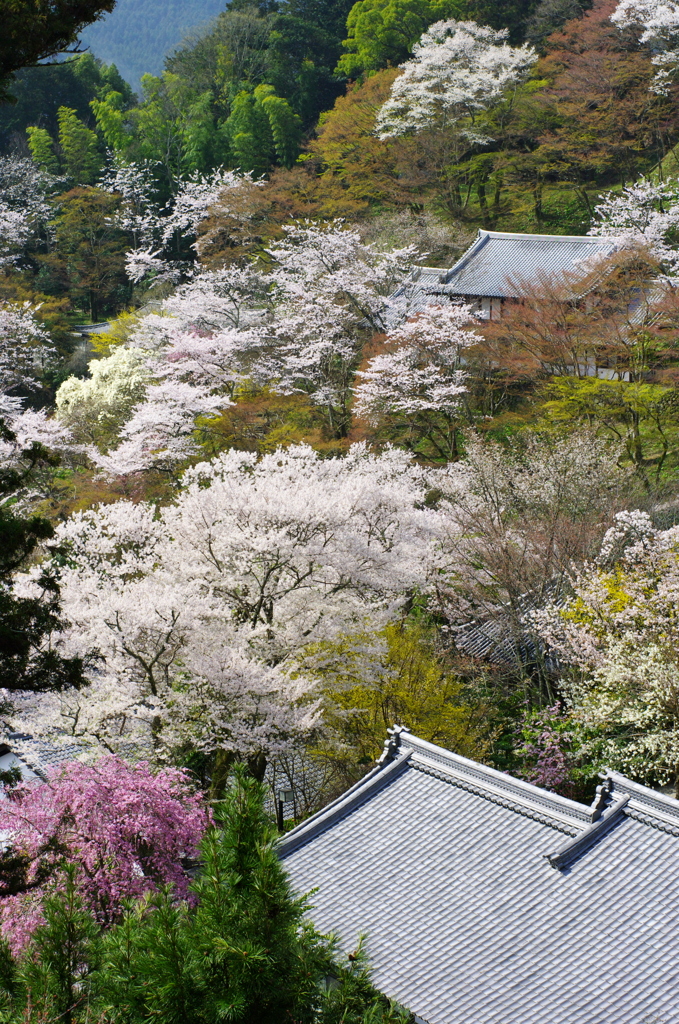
[[89, 250], [39, 92], [262, 128], [383, 32]]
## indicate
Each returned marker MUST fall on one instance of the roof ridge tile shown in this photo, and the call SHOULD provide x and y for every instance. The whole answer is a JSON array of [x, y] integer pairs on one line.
[[572, 848], [488, 780]]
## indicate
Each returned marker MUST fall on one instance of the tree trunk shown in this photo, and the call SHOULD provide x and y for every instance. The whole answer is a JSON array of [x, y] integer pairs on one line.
[[224, 762], [483, 203], [537, 201], [220, 774], [497, 196], [257, 766]]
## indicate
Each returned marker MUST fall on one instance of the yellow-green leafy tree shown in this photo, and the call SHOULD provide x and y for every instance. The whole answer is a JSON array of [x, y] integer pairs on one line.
[[396, 676], [381, 33], [644, 417]]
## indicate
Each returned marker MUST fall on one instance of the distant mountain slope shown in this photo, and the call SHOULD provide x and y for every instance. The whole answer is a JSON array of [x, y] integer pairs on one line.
[[138, 34]]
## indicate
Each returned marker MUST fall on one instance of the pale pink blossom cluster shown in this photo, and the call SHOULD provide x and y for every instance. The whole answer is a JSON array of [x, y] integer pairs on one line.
[[330, 289], [422, 370], [153, 229], [126, 828], [158, 433], [643, 214], [296, 329]]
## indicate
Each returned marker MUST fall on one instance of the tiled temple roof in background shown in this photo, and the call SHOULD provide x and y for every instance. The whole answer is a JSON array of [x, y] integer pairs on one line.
[[498, 262]]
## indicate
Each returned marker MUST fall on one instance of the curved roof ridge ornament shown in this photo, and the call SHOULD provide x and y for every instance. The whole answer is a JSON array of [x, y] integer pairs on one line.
[[606, 818], [602, 798], [392, 744]]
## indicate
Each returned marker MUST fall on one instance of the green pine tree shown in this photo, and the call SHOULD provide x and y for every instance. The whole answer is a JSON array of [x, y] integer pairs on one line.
[[244, 954], [256, 959], [241, 953], [57, 971]]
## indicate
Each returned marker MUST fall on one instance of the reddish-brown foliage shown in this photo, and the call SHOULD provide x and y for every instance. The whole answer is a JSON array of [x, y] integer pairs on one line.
[[609, 123]]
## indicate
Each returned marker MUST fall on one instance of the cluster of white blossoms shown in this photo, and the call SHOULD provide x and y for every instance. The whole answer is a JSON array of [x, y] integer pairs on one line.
[[644, 214], [207, 613], [422, 369], [658, 23], [154, 229], [25, 346], [23, 204], [457, 70], [296, 329], [621, 630], [25, 352], [200, 610]]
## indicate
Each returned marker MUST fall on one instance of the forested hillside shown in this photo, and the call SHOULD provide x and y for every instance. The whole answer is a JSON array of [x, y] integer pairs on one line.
[[297, 485], [138, 34]]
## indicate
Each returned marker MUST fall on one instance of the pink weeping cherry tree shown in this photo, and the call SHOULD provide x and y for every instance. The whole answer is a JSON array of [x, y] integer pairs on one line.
[[127, 830]]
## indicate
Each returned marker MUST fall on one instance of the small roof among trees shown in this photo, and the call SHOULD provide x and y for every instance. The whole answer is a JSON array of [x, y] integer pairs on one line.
[[499, 262], [485, 898]]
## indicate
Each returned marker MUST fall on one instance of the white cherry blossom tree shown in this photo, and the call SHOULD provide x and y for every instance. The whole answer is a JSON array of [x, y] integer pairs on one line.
[[297, 328], [458, 69], [15, 230], [619, 635], [643, 214], [416, 386], [24, 206], [25, 346], [200, 609], [151, 260], [658, 24], [138, 213], [158, 434], [194, 198], [332, 289], [210, 300]]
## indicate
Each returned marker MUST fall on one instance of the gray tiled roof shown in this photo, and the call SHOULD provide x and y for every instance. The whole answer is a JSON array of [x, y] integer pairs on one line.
[[443, 863], [39, 757], [498, 262]]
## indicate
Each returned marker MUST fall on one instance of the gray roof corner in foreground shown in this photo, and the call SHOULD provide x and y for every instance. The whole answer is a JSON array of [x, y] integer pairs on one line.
[[487, 900]]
